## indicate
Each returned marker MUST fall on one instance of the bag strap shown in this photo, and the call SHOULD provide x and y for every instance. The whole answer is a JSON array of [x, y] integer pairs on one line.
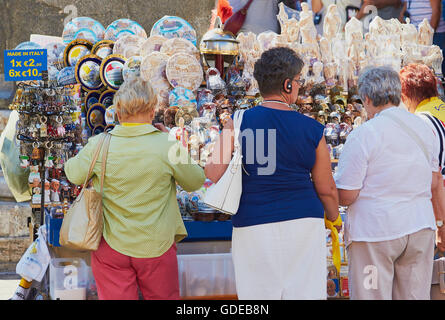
[[410, 132], [237, 120], [246, 7], [96, 155], [104, 161]]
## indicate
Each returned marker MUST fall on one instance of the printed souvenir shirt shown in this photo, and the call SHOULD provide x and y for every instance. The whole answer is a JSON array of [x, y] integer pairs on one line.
[[432, 110], [141, 213]]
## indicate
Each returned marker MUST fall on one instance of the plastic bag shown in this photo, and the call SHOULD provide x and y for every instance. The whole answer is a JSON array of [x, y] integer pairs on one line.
[[35, 261], [15, 176]]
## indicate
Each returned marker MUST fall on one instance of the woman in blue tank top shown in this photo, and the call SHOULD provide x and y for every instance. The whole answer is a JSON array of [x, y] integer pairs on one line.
[[279, 238]]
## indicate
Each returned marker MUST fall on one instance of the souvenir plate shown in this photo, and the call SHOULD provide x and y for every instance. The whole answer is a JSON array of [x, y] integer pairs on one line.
[[123, 27], [91, 99], [153, 70], [128, 45], [67, 76], [183, 70], [181, 96], [111, 71], [176, 45], [28, 46], [132, 67], [88, 72], [83, 28], [110, 115], [188, 113], [76, 50], [103, 48], [106, 98], [174, 27], [96, 116], [153, 43], [109, 127], [98, 129], [55, 54]]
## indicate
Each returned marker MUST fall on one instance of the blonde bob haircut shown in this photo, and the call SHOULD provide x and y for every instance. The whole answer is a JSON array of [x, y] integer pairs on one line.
[[135, 96]]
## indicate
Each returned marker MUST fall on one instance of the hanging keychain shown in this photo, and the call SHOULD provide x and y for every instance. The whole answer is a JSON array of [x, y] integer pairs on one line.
[[49, 158], [60, 128], [24, 155], [43, 126]]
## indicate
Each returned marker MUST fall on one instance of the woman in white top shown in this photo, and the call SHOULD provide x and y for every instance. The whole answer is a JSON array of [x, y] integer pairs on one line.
[[385, 177]]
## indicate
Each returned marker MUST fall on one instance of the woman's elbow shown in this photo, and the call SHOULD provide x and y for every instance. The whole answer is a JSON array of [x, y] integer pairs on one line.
[[345, 202], [211, 173], [347, 197]]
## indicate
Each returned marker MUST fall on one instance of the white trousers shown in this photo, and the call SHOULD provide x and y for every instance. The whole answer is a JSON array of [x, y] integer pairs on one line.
[[281, 260]]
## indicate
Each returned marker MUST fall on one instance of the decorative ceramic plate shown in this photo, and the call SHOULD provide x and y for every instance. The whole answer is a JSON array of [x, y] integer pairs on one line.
[[180, 96], [176, 45], [76, 50], [28, 46], [83, 28], [128, 45], [174, 27], [98, 129], [123, 27], [153, 70], [55, 54], [111, 71], [67, 76], [106, 98], [188, 113], [152, 44], [88, 72], [96, 116], [91, 99], [109, 127], [110, 115], [103, 48], [132, 67], [183, 70]]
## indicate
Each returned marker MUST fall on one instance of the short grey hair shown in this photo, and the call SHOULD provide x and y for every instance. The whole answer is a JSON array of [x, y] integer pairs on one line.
[[381, 85]]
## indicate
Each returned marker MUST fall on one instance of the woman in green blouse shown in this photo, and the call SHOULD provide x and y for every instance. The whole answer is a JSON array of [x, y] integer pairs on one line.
[[142, 222]]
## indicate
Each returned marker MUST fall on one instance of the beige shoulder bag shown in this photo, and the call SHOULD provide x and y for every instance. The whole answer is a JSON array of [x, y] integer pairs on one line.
[[82, 225]]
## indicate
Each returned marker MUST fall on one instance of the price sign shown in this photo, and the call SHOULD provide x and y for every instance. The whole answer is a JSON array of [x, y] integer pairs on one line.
[[25, 65]]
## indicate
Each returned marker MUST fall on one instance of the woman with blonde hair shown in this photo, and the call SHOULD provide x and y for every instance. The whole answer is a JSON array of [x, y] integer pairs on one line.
[[142, 222]]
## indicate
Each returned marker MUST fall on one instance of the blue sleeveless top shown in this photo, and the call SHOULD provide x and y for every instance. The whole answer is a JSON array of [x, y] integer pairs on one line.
[[278, 149]]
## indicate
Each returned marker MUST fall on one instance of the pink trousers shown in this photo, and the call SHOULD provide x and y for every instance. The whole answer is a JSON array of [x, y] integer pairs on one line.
[[118, 276]]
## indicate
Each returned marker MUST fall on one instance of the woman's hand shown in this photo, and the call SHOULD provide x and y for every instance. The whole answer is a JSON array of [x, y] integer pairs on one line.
[[222, 154], [161, 127], [324, 182], [440, 239]]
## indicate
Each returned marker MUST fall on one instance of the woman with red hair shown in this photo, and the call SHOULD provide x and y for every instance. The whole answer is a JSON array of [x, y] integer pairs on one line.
[[420, 96]]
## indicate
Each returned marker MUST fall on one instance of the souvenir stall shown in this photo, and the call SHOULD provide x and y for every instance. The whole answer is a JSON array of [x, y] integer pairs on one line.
[[199, 85]]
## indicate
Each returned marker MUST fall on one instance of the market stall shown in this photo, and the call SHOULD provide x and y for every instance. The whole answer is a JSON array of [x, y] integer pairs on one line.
[[199, 85]]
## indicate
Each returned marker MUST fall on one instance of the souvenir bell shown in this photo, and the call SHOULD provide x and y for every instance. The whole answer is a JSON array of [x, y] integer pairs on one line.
[[219, 49]]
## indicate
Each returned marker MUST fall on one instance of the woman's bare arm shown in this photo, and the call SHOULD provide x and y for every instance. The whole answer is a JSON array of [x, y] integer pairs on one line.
[[222, 154], [324, 182]]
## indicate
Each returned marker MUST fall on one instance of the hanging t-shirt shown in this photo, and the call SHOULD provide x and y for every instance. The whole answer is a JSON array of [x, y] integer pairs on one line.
[[433, 112]]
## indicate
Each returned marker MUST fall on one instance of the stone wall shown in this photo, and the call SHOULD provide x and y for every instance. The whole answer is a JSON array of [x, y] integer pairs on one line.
[[21, 18]]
